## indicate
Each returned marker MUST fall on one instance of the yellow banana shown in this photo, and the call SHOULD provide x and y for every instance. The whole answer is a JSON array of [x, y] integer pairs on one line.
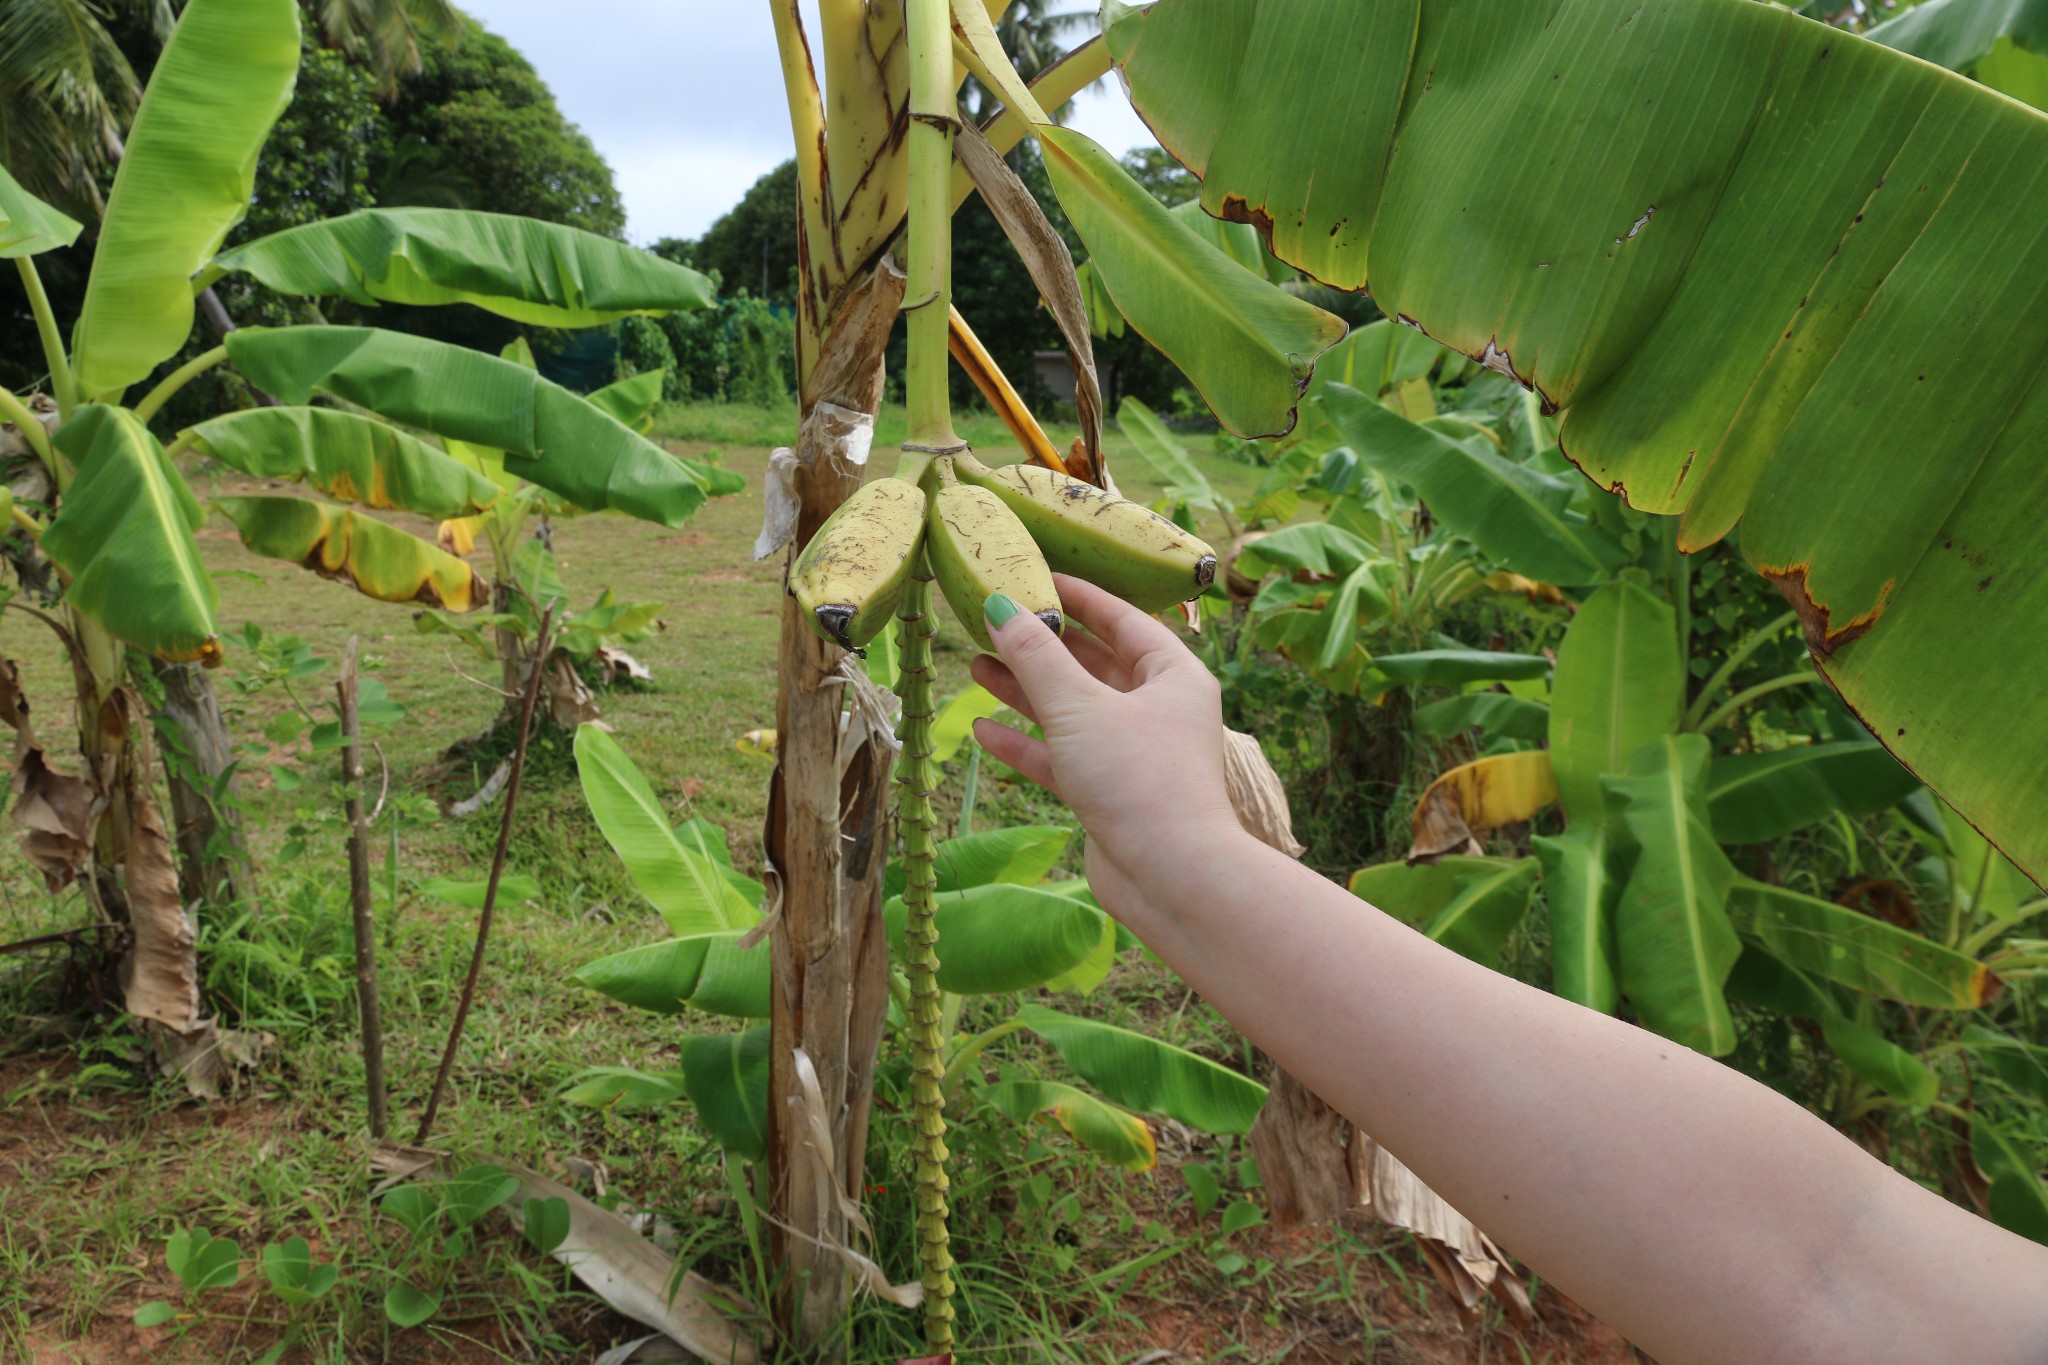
[[848, 578], [1106, 540], [976, 546]]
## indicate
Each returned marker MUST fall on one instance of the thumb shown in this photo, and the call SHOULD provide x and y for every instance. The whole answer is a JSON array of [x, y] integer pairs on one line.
[[1052, 678]]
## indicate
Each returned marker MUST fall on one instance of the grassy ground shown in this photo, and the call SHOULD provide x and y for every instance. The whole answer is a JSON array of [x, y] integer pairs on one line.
[[98, 1165]]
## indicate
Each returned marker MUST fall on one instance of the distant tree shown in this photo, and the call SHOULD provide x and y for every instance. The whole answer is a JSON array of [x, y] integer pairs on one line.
[[66, 93], [383, 36], [1153, 167], [478, 128], [752, 246], [1035, 35]]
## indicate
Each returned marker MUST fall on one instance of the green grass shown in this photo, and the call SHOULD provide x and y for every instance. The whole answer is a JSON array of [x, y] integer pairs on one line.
[[99, 1163]]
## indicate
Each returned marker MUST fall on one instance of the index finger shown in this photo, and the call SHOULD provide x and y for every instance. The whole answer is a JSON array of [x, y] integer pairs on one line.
[[1140, 641]]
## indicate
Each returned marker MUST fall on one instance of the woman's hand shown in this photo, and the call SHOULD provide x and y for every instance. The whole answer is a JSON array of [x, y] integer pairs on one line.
[[1133, 735]]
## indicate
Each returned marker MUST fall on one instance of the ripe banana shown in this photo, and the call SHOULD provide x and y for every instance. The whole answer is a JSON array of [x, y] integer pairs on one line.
[[849, 577], [976, 546], [1099, 537]]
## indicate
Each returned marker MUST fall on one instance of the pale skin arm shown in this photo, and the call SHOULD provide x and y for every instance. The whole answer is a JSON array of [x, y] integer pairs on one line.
[[1699, 1213]]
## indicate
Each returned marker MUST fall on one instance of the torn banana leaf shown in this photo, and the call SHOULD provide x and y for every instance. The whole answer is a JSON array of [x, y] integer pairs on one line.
[[544, 274], [354, 548], [549, 435], [348, 457], [124, 537], [1566, 190], [1116, 1135]]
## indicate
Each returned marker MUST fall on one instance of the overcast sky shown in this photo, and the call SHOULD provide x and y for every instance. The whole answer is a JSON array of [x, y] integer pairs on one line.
[[684, 99]]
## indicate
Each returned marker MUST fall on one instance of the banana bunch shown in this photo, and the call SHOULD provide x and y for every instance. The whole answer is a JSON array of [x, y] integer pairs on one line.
[[984, 531]]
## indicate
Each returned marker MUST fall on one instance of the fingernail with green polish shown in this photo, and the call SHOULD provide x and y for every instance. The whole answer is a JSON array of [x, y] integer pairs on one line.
[[999, 609]]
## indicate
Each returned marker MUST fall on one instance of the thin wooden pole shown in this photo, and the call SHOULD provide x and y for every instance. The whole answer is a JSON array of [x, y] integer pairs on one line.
[[359, 893]]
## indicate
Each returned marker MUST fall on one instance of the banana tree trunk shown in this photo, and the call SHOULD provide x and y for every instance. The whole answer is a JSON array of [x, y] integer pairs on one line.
[[211, 855], [827, 842]]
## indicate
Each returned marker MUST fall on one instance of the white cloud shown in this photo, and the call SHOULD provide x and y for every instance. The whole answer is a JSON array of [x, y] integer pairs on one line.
[[684, 97]]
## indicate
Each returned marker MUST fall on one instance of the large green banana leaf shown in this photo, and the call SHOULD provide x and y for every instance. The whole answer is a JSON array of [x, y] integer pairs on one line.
[[1754, 797], [1877, 1059], [1416, 893], [348, 457], [186, 176], [687, 887], [709, 972], [1620, 683], [550, 436], [1497, 713], [1837, 944], [28, 226], [1772, 273], [123, 535], [1521, 517], [726, 1077], [544, 274], [355, 548], [1672, 934], [1147, 1075], [631, 400], [1017, 854], [1583, 894], [1244, 343], [1003, 938], [1484, 909]]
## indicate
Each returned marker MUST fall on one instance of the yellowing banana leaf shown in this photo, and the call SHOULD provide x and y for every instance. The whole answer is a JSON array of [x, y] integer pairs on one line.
[[28, 226], [124, 537], [1570, 201], [186, 175], [685, 885], [1754, 797], [1865, 954], [550, 436], [1675, 942], [355, 548], [1246, 345], [1583, 894], [1620, 683], [1478, 796], [545, 274], [1116, 1135], [1147, 1075], [348, 457], [1521, 517]]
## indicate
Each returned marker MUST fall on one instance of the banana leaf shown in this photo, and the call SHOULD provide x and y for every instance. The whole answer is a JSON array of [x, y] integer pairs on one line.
[[1002, 938], [1415, 893], [1882, 1062], [709, 972], [1314, 547], [1116, 1135], [1570, 201], [1153, 443], [688, 888], [543, 274], [2018, 1198], [1452, 667], [1672, 931], [1484, 909], [28, 226], [631, 401], [1838, 944], [1620, 683], [187, 172], [1754, 797], [348, 457], [1375, 358], [726, 1077], [1496, 713], [124, 537], [356, 549], [1147, 1075], [1583, 894], [2003, 43], [1519, 516], [1017, 854], [623, 1088], [550, 436], [1246, 345]]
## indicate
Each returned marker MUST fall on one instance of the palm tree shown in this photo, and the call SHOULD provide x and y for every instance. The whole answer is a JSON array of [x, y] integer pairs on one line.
[[1034, 35], [383, 35]]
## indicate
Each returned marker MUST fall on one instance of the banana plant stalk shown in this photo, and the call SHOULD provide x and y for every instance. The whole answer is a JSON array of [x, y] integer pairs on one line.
[[928, 298]]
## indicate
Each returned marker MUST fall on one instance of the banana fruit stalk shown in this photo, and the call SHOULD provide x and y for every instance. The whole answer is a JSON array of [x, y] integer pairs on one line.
[[1099, 537], [986, 531], [850, 577]]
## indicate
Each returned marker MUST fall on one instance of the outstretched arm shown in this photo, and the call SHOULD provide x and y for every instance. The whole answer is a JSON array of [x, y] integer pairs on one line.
[[1703, 1215]]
